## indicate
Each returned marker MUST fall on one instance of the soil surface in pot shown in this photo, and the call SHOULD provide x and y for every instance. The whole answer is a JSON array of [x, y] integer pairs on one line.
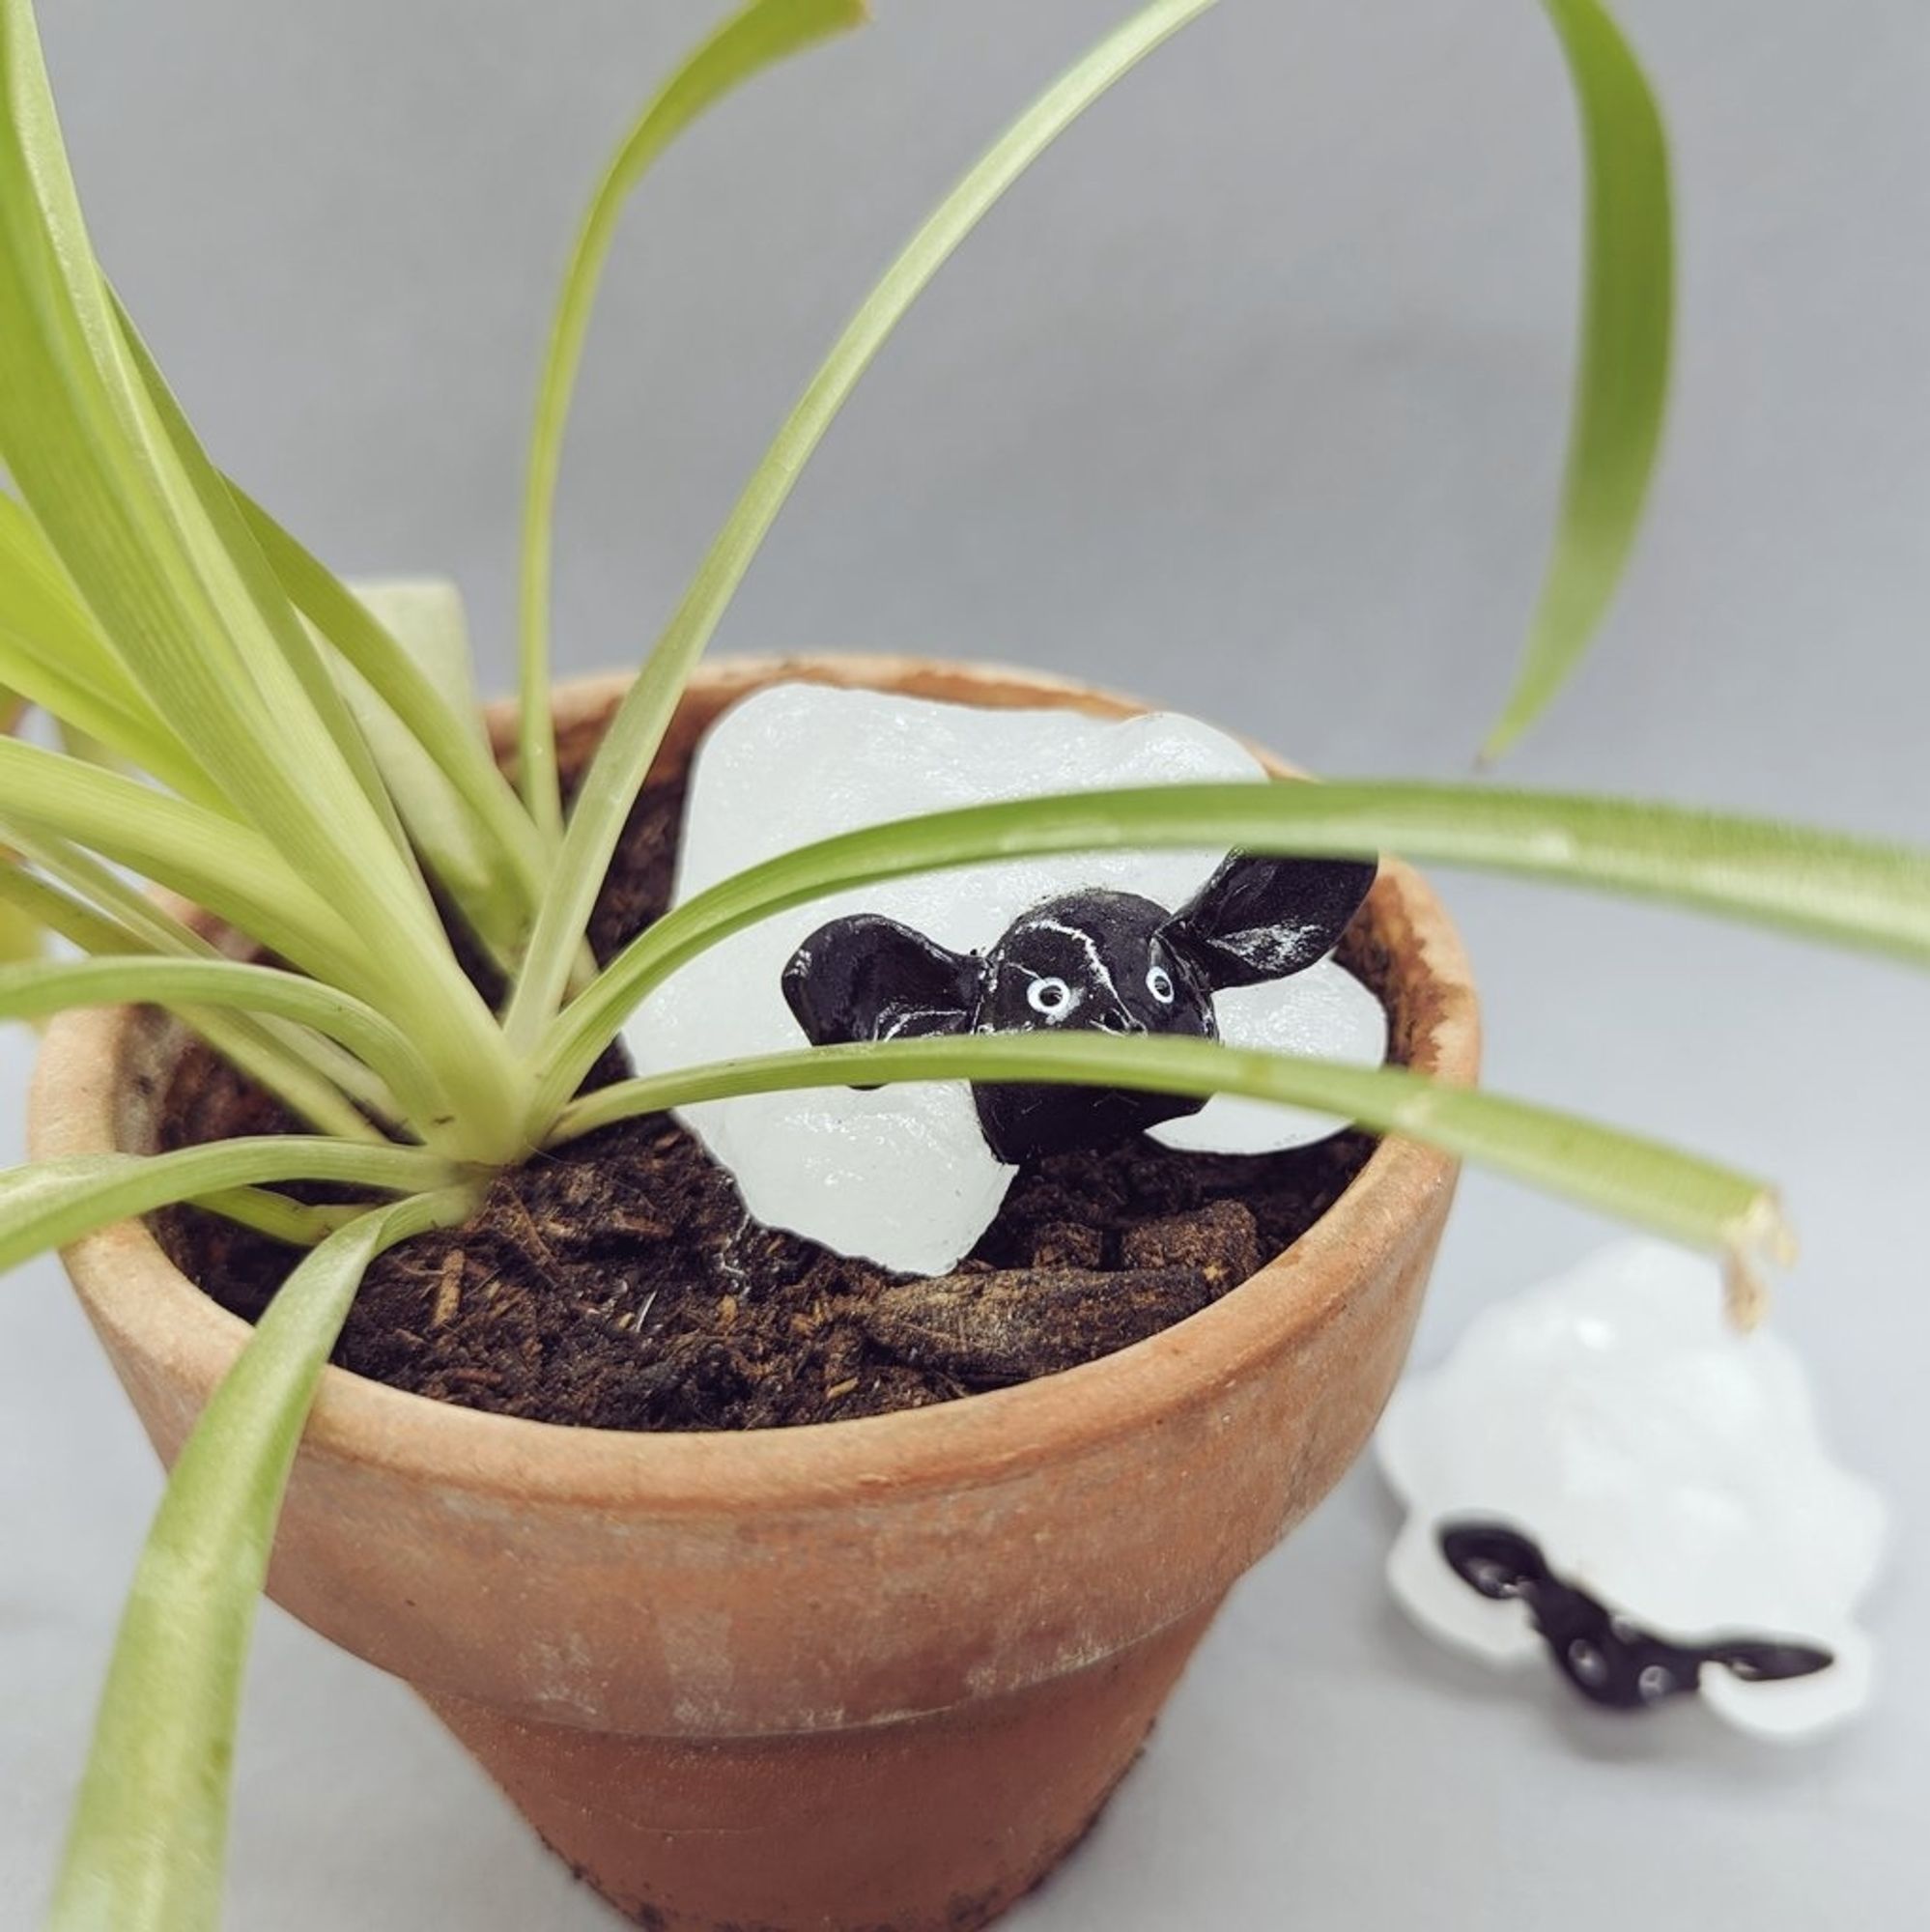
[[620, 1284]]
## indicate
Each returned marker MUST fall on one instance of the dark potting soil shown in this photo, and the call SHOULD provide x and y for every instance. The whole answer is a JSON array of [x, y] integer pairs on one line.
[[619, 1282]]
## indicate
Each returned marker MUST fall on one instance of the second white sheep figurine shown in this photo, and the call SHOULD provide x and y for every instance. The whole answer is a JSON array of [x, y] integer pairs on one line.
[[1604, 1472]]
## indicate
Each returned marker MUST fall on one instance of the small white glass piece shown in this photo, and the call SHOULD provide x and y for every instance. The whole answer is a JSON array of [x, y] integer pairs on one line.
[[1664, 1462], [1325, 1013]]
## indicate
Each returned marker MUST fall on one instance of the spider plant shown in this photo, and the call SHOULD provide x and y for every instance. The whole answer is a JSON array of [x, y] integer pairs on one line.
[[307, 761]]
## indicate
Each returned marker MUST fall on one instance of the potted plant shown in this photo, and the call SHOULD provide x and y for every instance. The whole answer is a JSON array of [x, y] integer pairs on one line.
[[860, 1673]]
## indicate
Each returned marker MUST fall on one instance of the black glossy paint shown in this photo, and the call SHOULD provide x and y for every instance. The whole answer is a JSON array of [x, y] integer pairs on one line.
[[1608, 1659], [1101, 961]]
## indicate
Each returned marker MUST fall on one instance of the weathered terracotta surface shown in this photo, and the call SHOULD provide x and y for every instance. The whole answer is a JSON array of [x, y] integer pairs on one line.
[[878, 1673]]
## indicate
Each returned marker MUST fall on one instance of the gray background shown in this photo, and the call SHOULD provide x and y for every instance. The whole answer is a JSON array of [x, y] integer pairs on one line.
[[1251, 399]]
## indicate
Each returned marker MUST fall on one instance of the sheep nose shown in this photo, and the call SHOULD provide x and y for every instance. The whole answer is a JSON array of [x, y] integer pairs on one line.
[[1117, 1020]]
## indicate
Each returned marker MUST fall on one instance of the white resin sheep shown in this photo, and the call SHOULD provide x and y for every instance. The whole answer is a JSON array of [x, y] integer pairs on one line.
[[1606, 1472], [903, 1174]]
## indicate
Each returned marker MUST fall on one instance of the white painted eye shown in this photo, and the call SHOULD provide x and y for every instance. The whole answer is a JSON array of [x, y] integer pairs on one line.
[[1159, 983], [1654, 1683], [1048, 995], [1491, 1579], [1590, 1665]]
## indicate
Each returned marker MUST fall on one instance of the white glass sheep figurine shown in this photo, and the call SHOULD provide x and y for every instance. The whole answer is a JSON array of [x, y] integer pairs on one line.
[[1604, 1472], [907, 1176]]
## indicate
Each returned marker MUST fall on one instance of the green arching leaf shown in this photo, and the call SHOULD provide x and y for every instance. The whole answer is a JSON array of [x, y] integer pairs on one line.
[[41, 602], [448, 732], [22, 933], [102, 477], [144, 528], [144, 1850], [51, 986], [298, 1223], [310, 1074], [129, 920], [298, 652], [371, 866], [623, 758], [1856, 893], [1681, 1195], [1621, 384], [77, 742], [67, 667], [22, 930], [48, 909], [57, 690], [494, 887], [753, 39], [49, 1203], [52, 653], [22, 937], [425, 618], [213, 860]]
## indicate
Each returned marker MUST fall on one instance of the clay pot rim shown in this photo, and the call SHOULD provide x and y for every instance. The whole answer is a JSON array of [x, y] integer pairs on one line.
[[129, 1284]]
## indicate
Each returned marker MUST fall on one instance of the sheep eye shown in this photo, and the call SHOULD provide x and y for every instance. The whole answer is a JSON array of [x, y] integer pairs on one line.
[[1654, 1683], [1491, 1579], [1159, 983], [1590, 1665], [1048, 995]]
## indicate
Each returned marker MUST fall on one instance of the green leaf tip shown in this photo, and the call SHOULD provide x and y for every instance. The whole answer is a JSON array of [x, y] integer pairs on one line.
[[630, 742], [755, 37], [1759, 1238], [144, 1851], [1682, 1196], [1621, 382]]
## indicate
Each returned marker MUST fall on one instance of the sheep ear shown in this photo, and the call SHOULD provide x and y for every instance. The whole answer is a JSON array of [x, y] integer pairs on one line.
[[1261, 919], [867, 978], [1756, 1660], [1493, 1558]]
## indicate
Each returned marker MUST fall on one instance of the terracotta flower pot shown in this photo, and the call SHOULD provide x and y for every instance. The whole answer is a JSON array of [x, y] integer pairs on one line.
[[879, 1673]]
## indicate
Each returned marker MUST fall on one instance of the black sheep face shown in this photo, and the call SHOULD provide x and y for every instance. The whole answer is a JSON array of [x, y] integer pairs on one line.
[[1100, 961], [1608, 1659]]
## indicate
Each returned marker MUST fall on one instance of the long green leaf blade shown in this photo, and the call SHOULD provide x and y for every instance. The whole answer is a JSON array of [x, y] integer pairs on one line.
[[298, 1223], [495, 896], [442, 724], [95, 908], [623, 758], [143, 526], [759, 36], [52, 910], [49, 1203], [144, 1851], [298, 652], [37, 990], [52, 652], [42, 602], [102, 477], [23, 931], [1621, 385], [218, 863], [1681, 1195], [286, 1067], [1852, 892]]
